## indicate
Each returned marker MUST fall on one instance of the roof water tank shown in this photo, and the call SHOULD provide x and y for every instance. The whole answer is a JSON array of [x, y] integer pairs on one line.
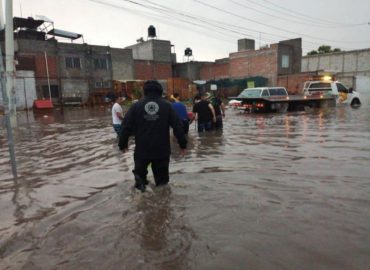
[[151, 31], [188, 52]]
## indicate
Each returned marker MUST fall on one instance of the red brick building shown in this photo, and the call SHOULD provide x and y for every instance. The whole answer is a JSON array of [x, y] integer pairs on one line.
[[147, 70], [282, 58]]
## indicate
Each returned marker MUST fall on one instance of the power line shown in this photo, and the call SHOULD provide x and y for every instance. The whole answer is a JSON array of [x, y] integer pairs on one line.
[[272, 26], [160, 18], [278, 17], [294, 12], [207, 21]]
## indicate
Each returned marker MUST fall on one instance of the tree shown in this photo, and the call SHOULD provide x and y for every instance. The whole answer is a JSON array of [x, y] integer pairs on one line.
[[323, 49], [313, 52]]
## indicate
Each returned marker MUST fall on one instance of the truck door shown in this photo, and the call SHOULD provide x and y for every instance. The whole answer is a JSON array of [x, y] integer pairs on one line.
[[344, 95]]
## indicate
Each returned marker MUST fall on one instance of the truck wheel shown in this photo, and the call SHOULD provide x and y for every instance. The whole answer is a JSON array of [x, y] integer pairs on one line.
[[282, 107], [355, 102]]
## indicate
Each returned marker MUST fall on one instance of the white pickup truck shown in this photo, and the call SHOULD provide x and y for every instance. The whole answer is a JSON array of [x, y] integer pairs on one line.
[[343, 94]]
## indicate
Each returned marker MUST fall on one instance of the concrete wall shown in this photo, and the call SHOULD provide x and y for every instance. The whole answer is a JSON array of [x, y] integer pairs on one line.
[[189, 70], [25, 90], [152, 50], [352, 61], [362, 84], [75, 88], [122, 64], [75, 81], [345, 65], [88, 78], [292, 48], [99, 75], [246, 44], [142, 51], [162, 50], [37, 46], [73, 50]]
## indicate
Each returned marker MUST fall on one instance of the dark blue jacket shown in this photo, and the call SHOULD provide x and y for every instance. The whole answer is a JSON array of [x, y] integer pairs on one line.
[[149, 121]]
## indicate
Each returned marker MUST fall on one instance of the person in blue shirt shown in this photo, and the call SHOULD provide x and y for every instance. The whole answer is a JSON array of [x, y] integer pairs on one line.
[[181, 111]]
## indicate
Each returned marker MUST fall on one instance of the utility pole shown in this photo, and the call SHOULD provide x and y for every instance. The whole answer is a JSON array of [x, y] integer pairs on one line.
[[6, 102], [47, 73], [9, 60]]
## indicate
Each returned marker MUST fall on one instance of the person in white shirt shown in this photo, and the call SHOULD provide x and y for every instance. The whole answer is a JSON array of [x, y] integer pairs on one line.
[[117, 114]]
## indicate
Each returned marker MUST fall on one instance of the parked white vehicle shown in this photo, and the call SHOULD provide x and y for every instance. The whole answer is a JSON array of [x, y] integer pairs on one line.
[[343, 94]]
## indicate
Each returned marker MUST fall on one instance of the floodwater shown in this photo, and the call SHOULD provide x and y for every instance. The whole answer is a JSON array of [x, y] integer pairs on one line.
[[274, 191]]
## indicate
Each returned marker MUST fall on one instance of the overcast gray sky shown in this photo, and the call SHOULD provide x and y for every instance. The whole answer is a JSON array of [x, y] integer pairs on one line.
[[210, 28]]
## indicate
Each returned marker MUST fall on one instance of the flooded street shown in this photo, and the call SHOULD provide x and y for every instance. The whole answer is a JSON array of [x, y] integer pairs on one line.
[[273, 191]]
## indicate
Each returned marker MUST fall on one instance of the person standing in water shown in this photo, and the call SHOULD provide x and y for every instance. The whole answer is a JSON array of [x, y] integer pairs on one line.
[[117, 113], [204, 113], [219, 107], [149, 121], [181, 111]]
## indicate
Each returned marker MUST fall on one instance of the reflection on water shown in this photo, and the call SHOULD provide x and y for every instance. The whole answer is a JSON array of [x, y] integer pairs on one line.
[[273, 191]]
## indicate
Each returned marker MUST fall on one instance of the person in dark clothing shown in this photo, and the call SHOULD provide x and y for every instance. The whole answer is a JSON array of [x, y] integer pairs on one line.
[[149, 121], [181, 111], [204, 113], [219, 107]]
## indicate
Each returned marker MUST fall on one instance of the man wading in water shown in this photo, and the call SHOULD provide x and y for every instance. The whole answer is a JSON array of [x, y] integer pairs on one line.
[[149, 121]]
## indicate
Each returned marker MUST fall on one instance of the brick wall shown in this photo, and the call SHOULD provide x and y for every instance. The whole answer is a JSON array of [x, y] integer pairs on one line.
[[40, 66], [294, 82], [262, 62], [183, 87], [147, 70], [214, 71]]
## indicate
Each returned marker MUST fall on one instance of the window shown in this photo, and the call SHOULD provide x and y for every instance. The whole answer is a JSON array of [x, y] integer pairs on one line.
[[103, 84], [265, 93], [278, 92], [251, 92], [73, 62], [342, 88], [100, 63], [54, 91], [98, 84], [107, 84], [320, 87], [285, 61]]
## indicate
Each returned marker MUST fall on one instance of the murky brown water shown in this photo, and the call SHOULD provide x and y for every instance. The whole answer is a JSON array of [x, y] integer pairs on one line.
[[277, 191]]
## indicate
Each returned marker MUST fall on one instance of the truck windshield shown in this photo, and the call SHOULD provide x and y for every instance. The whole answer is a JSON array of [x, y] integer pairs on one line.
[[252, 92], [321, 86]]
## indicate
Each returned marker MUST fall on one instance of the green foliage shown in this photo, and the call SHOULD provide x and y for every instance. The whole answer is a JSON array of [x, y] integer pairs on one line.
[[313, 52], [137, 93], [323, 49]]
